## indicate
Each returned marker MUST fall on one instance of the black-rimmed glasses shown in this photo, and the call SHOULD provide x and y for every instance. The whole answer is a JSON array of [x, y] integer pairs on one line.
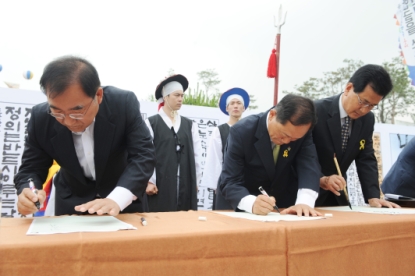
[[75, 116]]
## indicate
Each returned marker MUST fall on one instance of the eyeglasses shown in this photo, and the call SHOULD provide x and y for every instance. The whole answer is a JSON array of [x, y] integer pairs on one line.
[[75, 116], [364, 105]]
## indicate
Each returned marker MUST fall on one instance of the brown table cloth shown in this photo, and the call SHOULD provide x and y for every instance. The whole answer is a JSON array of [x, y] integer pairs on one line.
[[174, 243], [352, 244], [177, 243]]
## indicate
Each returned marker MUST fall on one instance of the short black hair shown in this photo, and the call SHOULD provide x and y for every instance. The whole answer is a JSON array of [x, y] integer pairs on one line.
[[298, 110], [64, 71], [374, 75]]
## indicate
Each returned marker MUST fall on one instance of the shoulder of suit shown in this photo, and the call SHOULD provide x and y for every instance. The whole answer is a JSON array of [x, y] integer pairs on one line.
[[185, 119], [41, 109], [248, 121], [326, 101]]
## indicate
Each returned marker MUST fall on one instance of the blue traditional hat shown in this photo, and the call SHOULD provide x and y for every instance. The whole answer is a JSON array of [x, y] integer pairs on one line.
[[233, 91]]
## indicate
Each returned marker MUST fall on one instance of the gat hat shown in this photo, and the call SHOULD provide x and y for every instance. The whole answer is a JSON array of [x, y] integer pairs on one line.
[[179, 78], [223, 101], [176, 81]]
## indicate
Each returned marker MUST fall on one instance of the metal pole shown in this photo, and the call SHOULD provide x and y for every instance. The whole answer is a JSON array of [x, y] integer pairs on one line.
[[278, 25], [277, 64]]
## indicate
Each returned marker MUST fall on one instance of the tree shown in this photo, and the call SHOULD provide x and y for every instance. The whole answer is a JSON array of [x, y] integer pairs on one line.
[[332, 83], [401, 96], [252, 101], [209, 79]]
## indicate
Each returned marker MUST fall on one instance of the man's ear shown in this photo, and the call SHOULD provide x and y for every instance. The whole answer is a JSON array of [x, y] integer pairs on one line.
[[349, 88], [272, 115], [100, 95]]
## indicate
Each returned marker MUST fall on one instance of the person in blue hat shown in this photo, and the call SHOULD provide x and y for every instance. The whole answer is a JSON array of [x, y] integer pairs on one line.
[[233, 103], [173, 186]]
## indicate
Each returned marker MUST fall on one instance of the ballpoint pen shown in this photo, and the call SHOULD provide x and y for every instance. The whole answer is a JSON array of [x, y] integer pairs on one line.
[[33, 189], [265, 193], [340, 174]]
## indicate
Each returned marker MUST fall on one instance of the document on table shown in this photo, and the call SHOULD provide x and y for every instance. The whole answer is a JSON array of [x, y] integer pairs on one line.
[[270, 217], [393, 196], [370, 210], [71, 224]]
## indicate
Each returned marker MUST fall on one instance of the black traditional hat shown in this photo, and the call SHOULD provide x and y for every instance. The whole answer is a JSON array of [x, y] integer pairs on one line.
[[179, 78]]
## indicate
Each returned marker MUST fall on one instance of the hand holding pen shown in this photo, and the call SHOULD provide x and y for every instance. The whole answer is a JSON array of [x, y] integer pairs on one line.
[[264, 204], [26, 201], [34, 190]]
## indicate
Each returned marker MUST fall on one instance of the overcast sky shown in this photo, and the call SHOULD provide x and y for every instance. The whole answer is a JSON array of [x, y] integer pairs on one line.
[[133, 44]]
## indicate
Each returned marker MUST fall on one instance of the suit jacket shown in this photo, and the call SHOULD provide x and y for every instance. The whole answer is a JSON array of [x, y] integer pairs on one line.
[[400, 179], [327, 138], [123, 154], [248, 164]]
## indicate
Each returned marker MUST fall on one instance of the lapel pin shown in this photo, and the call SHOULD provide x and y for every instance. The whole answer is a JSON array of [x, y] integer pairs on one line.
[[362, 144], [285, 153]]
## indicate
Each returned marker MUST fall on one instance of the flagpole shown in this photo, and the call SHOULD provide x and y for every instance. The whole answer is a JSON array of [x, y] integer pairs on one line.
[[278, 25], [277, 65]]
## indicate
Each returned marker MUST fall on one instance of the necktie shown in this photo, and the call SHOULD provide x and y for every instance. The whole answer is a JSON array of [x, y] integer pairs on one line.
[[345, 133], [275, 152]]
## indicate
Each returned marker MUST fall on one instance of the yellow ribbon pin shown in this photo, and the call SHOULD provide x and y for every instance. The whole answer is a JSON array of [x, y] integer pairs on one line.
[[362, 144], [285, 153]]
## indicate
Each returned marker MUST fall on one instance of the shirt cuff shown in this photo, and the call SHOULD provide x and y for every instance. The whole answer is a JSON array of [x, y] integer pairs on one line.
[[247, 203], [306, 196], [122, 196]]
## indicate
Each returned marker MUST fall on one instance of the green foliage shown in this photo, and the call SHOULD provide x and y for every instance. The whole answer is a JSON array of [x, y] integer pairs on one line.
[[200, 98], [402, 95], [151, 98], [252, 101], [332, 83]]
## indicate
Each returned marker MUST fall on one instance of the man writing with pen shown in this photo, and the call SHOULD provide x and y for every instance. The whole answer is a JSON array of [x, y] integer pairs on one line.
[[97, 136], [345, 129], [273, 150]]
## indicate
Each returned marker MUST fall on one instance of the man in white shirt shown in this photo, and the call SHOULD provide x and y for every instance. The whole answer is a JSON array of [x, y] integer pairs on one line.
[[173, 186], [233, 103], [97, 136]]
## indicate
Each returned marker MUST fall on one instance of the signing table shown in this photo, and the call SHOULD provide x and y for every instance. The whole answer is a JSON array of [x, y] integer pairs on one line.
[[177, 243]]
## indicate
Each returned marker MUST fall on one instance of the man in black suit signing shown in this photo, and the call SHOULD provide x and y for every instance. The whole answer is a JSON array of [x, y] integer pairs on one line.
[[97, 136], [274, 150], [345, 128]]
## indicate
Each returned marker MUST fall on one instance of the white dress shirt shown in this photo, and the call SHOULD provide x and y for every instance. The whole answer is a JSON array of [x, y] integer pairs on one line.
[[196, 142], [84, 147], [304, 196]]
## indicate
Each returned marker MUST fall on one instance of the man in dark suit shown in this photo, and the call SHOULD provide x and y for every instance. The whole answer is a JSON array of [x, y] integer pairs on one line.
[[350, 110], [273, 150], [400, 179], [97, 136]]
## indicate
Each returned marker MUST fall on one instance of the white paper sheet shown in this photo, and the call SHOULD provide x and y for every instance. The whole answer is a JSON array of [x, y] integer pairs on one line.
[[71, 224], [370, 210], [270, 217], [393, 196]]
